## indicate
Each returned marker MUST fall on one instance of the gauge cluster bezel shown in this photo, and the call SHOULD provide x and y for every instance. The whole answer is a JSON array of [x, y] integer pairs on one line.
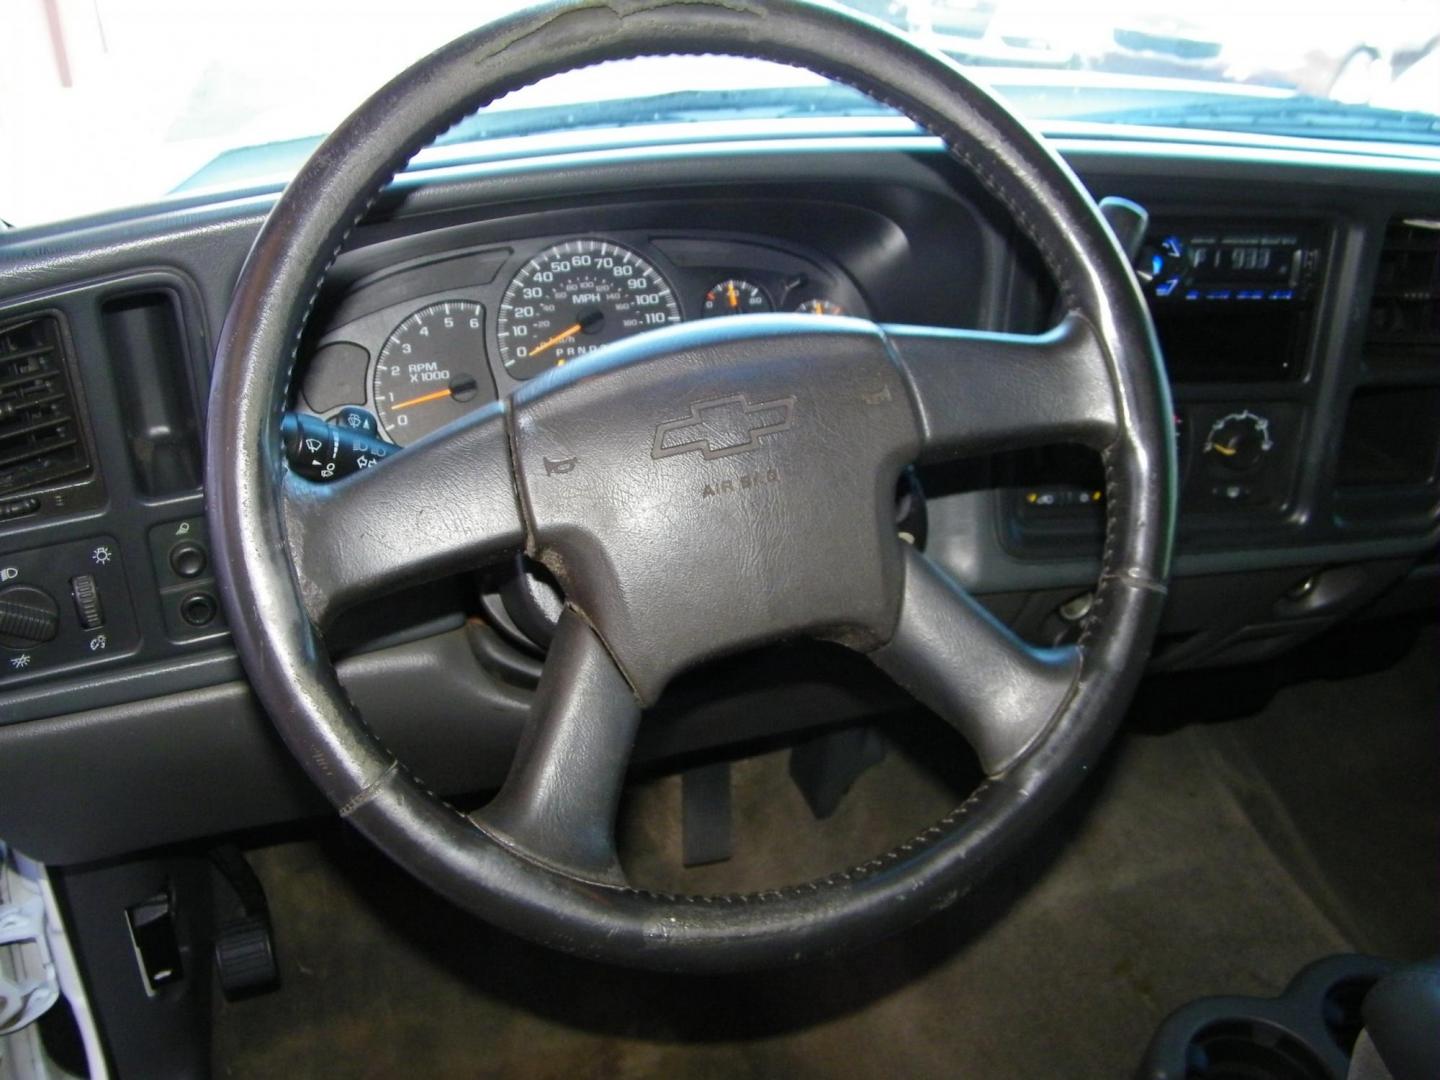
[[689, 261]]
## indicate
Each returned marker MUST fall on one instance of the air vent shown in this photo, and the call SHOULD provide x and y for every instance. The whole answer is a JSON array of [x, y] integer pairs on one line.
[[1405, 310], [40, 439]]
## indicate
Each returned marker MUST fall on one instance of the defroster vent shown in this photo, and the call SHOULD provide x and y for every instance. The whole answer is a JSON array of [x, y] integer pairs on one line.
[[40, 436]]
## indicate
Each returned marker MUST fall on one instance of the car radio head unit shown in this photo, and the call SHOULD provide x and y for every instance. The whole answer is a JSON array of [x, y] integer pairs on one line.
[[1222, 265], [1232, 302]]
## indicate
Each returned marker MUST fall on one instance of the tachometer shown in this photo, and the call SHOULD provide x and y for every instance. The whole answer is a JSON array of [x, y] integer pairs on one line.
[[432, 370], [573, 298]]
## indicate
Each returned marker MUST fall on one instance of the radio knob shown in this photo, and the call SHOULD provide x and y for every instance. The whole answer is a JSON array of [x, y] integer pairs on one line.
[[28, 616]]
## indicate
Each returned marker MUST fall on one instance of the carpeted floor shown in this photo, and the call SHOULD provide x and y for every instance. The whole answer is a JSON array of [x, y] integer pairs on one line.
[[1342, 774], [1207, 858]]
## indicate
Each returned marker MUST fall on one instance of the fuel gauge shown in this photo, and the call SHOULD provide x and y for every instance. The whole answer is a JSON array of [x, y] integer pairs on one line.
[[820, 306], [735, 297]]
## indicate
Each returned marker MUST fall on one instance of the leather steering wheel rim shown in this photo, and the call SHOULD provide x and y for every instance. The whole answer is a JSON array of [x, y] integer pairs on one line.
[[1098, 379]]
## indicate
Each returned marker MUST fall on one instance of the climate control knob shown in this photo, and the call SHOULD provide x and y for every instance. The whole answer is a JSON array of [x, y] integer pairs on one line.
[[1239, 441], [28, 617]]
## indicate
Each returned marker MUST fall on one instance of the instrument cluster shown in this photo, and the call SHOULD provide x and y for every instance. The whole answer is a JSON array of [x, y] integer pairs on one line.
[[410, 350]]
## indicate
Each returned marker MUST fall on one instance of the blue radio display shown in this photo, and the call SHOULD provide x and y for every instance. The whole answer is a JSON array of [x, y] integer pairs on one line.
[[1239, 260], [1229, 264]]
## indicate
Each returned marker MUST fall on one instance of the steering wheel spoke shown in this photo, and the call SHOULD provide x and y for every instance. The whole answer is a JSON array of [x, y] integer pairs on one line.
[[557, 806], [970, 669], [445, 505], [979, 392]]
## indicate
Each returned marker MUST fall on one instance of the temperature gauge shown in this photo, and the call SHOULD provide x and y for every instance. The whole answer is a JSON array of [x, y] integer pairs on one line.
[[735, 297], [820, 306]]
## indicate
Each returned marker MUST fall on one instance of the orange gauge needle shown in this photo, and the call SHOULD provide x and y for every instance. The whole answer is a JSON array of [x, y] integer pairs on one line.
[[734, 299], [1221, 448], [568, 332], [436, 396]]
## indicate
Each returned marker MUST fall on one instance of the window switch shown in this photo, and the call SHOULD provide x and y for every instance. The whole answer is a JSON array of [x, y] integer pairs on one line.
[[87, 602]]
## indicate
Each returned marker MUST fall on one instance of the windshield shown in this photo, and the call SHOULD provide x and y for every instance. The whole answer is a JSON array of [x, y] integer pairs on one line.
[[106, 103]]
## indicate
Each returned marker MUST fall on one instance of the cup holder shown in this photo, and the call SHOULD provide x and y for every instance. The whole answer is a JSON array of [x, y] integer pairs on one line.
[[1250, 1050], [1307, 1033], [1341, 1010]]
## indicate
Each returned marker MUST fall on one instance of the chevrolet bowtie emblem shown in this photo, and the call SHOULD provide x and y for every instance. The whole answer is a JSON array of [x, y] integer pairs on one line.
[[723, 426]]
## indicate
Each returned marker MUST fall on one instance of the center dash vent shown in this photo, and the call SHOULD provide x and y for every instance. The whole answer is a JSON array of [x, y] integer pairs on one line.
[[1405, 310], [40, 440]]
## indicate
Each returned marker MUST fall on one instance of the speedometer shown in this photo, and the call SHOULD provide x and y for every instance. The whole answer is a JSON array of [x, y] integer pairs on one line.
[[573, 298]]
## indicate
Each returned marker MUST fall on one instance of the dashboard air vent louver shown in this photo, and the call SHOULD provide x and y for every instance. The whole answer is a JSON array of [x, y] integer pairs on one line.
[[40, 439], [1405, 310]]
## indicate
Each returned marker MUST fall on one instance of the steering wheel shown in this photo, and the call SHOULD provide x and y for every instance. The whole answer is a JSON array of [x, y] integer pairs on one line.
[[600, 470]]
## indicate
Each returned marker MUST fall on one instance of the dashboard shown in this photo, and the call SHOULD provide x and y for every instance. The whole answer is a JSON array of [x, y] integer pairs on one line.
[[1295, 291]]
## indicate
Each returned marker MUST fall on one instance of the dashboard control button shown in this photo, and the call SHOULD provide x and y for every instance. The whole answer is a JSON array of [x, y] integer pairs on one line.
[[188, 559], [1232, 493], [199, 609], [28, 616], [88, 608], [353, 419]]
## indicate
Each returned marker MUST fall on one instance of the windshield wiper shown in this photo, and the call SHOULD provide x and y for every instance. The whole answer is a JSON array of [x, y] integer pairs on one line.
[[1306, 116]]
